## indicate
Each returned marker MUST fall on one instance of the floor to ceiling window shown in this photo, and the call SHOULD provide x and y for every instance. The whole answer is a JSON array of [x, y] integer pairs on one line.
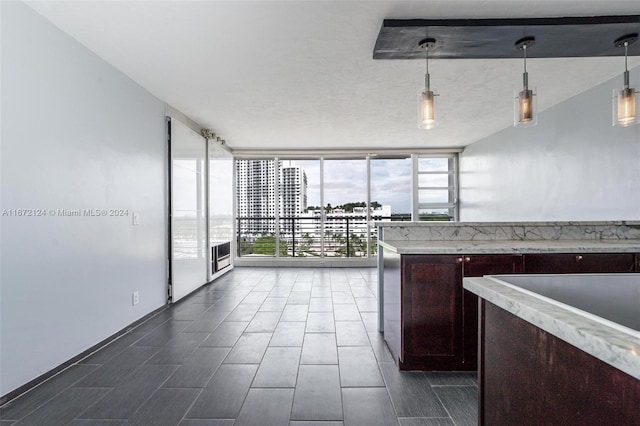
[[327, 207], [345, 205], [256, 207], [300, 214], [390, 192]]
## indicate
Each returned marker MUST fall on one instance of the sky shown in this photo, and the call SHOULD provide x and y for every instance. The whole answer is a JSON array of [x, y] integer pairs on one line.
[[346, 181]]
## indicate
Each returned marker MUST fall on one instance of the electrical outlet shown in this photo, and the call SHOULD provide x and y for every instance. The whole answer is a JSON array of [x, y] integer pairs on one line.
[[136, 218], [135, 298]]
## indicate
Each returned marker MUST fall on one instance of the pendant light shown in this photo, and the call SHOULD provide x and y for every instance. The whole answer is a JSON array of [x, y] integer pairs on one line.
[[626, 105], [525, 112], [426, 96]]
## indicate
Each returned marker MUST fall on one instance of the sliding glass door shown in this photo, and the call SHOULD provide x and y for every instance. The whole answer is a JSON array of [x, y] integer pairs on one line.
[[346, 214], [188, 220]]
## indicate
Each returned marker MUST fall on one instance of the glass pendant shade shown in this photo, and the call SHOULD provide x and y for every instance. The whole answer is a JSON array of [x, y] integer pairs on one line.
[[524, 109], [427, 96], [625, 107], [427, 109]]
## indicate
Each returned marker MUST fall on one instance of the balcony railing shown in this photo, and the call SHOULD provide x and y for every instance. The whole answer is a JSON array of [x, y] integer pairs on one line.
[[342, 236]]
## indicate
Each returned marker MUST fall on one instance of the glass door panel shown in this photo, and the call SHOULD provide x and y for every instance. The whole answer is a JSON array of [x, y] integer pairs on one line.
[[188, 222]]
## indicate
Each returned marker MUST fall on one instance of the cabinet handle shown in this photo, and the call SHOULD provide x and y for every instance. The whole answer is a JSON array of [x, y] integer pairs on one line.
[[578, 258], [459, 260], [467, 259]]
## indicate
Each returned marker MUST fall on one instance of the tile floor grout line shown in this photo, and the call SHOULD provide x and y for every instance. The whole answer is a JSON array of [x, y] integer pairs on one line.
[[245, 285]]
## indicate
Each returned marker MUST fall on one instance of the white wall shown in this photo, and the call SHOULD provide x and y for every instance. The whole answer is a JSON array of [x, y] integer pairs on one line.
[[572, 166], [76, 134]]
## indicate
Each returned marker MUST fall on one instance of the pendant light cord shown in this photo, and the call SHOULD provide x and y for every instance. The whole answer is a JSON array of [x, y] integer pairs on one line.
[[626, 71], [426, 76], [525, 76], [626, 47], [426, 49]]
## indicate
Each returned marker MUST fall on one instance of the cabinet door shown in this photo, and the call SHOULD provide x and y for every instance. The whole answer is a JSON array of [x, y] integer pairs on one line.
[[563, 263], [432, 312], [477, 266], [492, 264]]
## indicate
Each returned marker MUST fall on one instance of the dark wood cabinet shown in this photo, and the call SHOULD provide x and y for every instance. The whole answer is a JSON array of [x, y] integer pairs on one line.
[[439, 321], [478, 266], [431, 322], [432, 313], [530, 376], [564, 263]]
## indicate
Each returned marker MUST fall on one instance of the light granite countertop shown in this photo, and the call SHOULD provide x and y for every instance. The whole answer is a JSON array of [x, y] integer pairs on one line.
[[533, 223], [511, 246], [610, 344]]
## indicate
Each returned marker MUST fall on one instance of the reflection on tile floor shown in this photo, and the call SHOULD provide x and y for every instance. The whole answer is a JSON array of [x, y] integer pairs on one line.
[[259, 346]]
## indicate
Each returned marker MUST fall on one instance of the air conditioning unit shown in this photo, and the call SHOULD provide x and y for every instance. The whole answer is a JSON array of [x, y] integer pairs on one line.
[[220, 256]]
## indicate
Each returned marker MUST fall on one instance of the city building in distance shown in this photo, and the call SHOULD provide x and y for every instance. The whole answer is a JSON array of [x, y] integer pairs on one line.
[[303, 231]]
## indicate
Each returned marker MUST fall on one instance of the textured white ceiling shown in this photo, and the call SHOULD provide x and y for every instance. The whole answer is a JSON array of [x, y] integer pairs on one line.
[[300, 74]]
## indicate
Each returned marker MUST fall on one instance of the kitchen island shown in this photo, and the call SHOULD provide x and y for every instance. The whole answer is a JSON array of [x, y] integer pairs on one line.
[[563, 349], [430, 322]]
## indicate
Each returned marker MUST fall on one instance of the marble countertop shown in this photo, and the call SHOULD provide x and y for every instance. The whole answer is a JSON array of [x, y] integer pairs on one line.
[[511, 246], [605, 342], [535, 223]]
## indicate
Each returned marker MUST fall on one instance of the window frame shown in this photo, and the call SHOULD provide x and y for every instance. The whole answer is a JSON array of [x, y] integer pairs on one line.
[[452, 205], [416, 204]]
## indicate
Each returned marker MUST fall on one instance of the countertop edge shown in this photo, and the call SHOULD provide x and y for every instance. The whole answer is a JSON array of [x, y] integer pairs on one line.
[[387, 246], [511, 246], [517, 224], [608, 344]]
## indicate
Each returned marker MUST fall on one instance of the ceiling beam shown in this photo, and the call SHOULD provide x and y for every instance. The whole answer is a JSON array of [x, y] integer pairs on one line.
[[567, 37]]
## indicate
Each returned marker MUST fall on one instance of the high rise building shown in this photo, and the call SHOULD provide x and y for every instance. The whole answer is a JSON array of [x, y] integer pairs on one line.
[[293, 189], [256, 192]]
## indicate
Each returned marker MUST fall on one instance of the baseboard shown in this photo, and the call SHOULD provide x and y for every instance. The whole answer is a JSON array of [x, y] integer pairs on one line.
[[49, 374]]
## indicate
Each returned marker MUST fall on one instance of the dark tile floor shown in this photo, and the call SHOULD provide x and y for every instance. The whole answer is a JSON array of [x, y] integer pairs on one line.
[[259, 346]]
